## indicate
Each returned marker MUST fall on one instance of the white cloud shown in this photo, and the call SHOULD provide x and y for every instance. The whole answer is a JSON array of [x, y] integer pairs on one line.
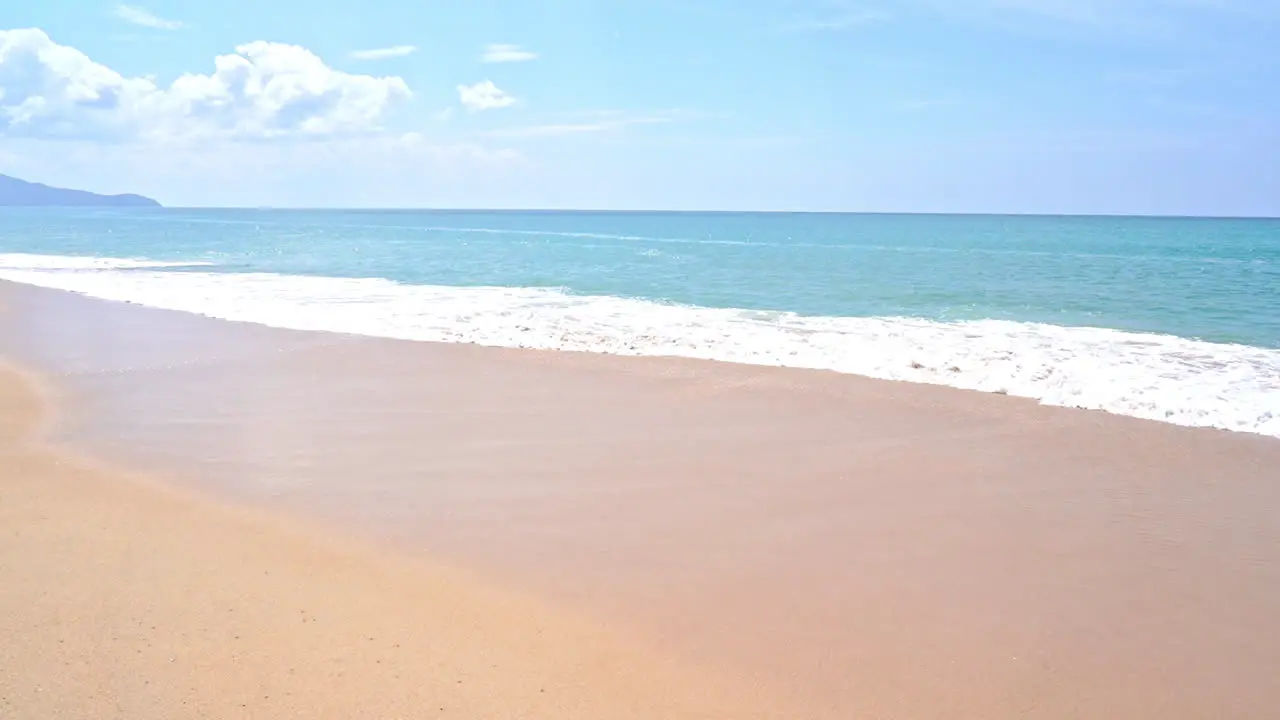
[[383, 53], [141, 16], [484, 95], [842, 21], [263, 90], [607, 121], [504, 53]]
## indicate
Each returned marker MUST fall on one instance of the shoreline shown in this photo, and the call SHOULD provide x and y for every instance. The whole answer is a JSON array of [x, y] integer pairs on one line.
[[854, 545], [1170, 378]]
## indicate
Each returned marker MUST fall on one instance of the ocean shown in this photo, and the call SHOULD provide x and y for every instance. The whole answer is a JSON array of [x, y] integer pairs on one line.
[[1170, 319]]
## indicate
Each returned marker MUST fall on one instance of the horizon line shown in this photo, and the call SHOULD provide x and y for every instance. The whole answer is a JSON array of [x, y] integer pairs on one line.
[[617, 211], [650, 211]]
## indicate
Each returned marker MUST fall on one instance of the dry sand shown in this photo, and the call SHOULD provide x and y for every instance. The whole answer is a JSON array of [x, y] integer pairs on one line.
[[860, 548]]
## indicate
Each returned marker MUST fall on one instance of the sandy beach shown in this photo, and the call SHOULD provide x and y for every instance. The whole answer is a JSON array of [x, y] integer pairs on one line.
[[330, 526]]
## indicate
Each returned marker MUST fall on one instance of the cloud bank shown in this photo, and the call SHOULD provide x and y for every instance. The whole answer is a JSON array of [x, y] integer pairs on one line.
[[263, 90]]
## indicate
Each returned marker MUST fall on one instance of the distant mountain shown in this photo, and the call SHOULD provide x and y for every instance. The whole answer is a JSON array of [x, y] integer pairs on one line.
[[15, 192]]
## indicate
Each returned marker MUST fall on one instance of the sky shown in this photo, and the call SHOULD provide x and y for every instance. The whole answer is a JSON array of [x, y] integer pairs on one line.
[[1018, 106]]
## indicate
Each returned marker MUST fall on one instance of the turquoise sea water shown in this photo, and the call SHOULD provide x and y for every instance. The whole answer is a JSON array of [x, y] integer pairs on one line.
[[1198, 299]]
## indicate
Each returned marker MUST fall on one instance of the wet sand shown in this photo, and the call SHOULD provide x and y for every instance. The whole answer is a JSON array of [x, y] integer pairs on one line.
[[857, 547], [123, 599]]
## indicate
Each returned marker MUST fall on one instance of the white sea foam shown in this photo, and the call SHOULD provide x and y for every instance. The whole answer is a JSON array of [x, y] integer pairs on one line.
[[1160, 377], [23, 261]]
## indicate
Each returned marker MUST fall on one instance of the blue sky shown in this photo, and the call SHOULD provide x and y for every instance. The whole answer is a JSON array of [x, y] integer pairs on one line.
[[1106, 106]]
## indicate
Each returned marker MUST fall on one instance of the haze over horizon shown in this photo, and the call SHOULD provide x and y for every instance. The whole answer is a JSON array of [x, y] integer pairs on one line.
[[1150, 107]]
